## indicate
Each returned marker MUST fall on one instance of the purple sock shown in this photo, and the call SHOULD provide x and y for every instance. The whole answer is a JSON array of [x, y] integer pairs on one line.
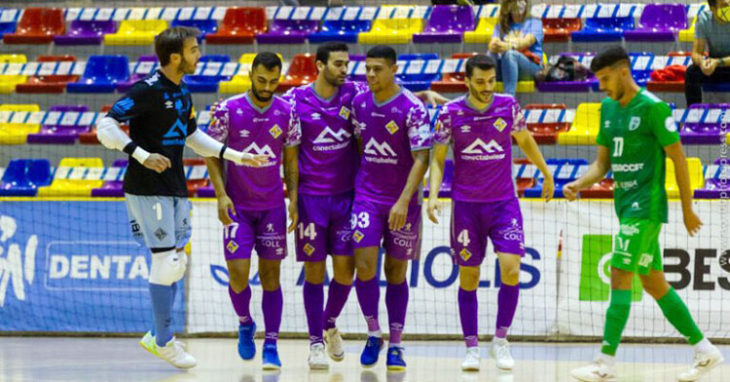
[[396, 300], [271, 305], [336, 299], [468, 308], [313, 305], [241, 303], [506, 306], [368, 295]]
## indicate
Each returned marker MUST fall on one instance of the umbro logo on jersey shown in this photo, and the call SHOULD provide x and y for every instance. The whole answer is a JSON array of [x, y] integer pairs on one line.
[[245, 133], [466, 129], [329, 136], [168, 105], [316, 116], [479, 147], [239, 111], [379, 149], [607, 124]]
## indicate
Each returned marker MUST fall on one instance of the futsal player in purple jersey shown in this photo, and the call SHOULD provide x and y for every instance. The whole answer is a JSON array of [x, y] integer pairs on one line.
[[480, 127], [251, 202], [392, 126]]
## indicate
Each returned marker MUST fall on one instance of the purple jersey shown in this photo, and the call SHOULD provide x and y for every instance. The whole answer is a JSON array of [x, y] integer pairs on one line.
[[389, 132], [243, 126], [328, 154], [482, 144]]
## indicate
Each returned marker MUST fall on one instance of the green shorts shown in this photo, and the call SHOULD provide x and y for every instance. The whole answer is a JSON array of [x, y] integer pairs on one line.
[[636, 247]]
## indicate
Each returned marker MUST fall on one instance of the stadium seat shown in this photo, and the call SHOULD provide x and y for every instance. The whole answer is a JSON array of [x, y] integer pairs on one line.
[[9, 81], [600, 190], [447, 24], [75, 177], [146, 64], [37, 26], [10, 25], [544, 122], [483, 32], [101, 75], [113, 181], [340, 30], [208, 82], [641, 67], [571, 86], [301, 71], [584, 129], [659, 82], [452, 82], [136, 32], [17, 122], [48, 83], [703, 125], [564, 171], [288, 32], [239, 26], [90, 138], [205, 27], [688, 35], [391, 31], [559, 30], [603, 29], [24, 176], [522, 87], [65, 130], [86, 32], [659, 22], [696, 177], [196, 175], [525, 173], [717, 181], [411, 77]]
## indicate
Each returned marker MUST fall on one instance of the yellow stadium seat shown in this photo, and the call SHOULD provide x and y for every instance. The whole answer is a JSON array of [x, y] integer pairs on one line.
[[696, 177], [584, 129], [74, 170], [14, 133], [688, 35], [247, 58], [392, 31], [8, 81], [483, 32], [522, 87], [136, 32]]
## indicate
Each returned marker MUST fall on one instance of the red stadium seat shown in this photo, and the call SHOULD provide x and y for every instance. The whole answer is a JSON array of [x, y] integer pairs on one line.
[[452, 82], [302, 71], [52, 83], [37, 26], [523, 183], [600, 190], [559, 30], [90, 138], [239, 26], [194, 184], [547, 132]]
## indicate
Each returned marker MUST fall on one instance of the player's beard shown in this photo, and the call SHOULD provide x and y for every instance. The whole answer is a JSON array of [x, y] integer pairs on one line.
[[483, 98], [259, 97], [183, 67], [333, 79]]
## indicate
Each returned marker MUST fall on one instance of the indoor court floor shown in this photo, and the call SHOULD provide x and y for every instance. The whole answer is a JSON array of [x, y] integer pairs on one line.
[[121, 359]]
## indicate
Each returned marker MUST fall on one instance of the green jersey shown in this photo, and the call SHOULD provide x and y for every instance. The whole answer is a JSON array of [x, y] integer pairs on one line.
[[635, 136]]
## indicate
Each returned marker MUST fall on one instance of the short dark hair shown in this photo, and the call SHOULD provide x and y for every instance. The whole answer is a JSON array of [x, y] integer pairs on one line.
[[383, 51], [171, 41], [268, 59], [609, 57], [480, 61], [324, 51], [712, 3]]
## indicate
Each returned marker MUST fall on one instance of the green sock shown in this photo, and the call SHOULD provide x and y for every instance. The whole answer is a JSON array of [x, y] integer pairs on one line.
[[616, 317], [679, 316]]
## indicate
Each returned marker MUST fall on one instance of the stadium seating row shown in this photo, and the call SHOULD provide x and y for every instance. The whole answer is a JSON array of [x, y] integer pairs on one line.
[[216, 73], [84, 177], [701, 124], [366, 25]]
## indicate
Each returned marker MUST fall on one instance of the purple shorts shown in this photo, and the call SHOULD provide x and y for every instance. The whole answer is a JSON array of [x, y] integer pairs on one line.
[[473, 222], [263, 230], [324, 227], [370, 228]]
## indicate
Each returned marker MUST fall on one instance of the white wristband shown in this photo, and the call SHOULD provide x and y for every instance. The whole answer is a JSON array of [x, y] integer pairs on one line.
[[140, 154]]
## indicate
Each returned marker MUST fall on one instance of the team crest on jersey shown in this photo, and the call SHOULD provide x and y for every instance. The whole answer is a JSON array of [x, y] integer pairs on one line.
[[275, 131], [345, 113], [465, 254], [634, 123], [357, 236], [232, 247], [392, 127], [500, 124], [308, 249]]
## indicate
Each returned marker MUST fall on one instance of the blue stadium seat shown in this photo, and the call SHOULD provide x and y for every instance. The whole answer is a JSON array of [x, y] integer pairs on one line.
[[340, 30], [24, 176], [416, 81], [7, 26], [564, 171], [603, 29], [101, 75], [204, 26], [202, 83]]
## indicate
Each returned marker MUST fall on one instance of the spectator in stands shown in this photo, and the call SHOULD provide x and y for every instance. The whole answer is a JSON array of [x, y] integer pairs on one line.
[[712, 36], [516, 44]]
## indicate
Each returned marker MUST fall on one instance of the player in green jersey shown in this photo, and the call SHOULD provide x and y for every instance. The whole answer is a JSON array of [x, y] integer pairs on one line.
[[637, 131]]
